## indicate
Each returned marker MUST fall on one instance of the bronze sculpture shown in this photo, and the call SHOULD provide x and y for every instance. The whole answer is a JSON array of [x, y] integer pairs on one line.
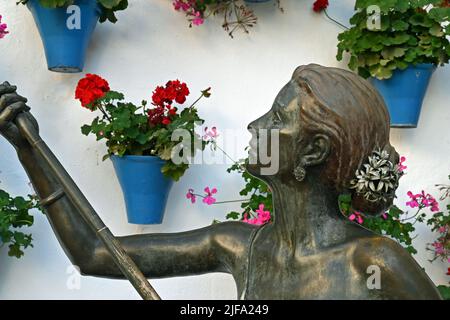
[[330, 120]]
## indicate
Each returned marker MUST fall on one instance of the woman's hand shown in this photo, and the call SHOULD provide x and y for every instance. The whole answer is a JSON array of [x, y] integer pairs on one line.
[[11, 104]]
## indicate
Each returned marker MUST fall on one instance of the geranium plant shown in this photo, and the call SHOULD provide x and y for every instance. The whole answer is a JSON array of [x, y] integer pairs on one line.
[[236, 14], [109, 7], [407, 32], [3, 26], [15, 214], [145, 129]]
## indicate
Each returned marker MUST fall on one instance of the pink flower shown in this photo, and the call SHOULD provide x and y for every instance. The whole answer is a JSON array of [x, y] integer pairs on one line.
[[210, 134], [262, 218], [438, 248], [413, 203], [190, 195], [181, 5], [401, 166], [356, 216], [209, 199], [3, 27], [198, 19], [422, 200], [384, 216], [442, 230]]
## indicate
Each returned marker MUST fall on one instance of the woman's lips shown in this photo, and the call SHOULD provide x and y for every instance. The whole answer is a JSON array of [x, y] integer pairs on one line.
[[253, 149]]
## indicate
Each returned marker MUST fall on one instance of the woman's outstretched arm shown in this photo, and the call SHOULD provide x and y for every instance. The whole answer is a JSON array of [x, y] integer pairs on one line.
[[215, 248]]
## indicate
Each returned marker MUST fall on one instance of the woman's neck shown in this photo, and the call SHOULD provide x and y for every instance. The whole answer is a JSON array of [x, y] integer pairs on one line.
[[307, 216]]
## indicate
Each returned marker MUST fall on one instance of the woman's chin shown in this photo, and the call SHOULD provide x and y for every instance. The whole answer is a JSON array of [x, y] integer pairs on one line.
[[253, 169]]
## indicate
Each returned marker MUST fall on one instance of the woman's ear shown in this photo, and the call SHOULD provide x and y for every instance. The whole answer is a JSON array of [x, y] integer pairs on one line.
[[316, 151]]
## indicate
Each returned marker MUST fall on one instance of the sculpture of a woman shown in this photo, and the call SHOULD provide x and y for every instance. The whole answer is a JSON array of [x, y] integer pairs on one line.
[[329, 121]]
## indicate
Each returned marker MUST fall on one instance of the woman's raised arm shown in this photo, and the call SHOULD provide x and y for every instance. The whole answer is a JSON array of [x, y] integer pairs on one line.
[[217, 248]]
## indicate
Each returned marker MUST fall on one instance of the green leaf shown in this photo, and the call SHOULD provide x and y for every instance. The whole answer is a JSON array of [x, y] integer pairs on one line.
[[445, 292], [86, 129], [54, 3], [109, 4]]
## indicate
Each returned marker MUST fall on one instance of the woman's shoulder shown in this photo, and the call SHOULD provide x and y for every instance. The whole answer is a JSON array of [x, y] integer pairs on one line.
[[401, 276], [233, 232]]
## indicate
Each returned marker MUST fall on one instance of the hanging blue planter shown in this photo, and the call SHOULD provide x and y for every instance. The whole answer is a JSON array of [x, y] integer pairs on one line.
[[66, 32], [144, 187], [404, 93]]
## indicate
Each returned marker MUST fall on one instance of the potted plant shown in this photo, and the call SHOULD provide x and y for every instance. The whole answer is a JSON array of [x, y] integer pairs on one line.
[[66, 26], [15, 214], [398, 44], [236, 14], [140, 141]]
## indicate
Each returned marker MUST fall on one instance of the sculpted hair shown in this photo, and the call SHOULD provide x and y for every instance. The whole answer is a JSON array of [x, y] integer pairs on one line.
[[352, 113]]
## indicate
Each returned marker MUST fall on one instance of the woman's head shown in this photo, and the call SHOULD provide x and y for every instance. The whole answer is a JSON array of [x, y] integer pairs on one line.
[[330, 120]]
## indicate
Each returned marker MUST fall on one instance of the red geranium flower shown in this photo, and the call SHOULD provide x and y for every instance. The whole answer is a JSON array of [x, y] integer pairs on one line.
[[448, 272], [320, 5], [156, 115], [166, 121], [173, 91], [177, 91], [159, 96], [89, 89]]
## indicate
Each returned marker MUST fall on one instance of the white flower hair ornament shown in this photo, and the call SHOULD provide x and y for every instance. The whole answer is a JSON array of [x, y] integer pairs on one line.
[[378, 179]]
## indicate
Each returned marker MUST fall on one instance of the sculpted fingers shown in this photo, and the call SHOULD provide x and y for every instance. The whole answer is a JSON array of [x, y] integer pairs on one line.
[[5, 87], [10, 98], [10, 112]]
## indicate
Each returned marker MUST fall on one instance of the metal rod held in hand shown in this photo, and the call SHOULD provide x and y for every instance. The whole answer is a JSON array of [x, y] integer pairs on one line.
[[120, 257]]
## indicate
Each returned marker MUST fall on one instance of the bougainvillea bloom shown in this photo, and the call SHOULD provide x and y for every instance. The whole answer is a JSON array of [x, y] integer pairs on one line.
[[3, 27], [209, 199], [190, 195], [320, 5], [357, 217], [89, 89]]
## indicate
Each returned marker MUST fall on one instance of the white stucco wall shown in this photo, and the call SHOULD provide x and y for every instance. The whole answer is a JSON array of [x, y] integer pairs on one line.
[[148, 46]]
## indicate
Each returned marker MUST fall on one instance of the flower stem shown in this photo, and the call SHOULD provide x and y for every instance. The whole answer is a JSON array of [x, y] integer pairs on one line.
[[221, 202], [226, 154], [334, 20], [195, 102], [100, 107]]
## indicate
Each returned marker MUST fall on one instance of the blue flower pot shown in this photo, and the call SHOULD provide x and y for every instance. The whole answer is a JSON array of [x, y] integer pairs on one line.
[[404, 93], [65, 49], [144, 187]]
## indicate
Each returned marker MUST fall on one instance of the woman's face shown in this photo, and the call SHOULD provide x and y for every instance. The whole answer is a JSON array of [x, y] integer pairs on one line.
[[273, 147]]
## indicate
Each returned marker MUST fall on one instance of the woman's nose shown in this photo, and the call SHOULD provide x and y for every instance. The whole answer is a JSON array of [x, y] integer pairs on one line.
[[255, 125]]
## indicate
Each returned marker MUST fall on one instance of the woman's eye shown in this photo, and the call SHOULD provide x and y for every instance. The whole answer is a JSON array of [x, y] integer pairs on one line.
[[277, 118]]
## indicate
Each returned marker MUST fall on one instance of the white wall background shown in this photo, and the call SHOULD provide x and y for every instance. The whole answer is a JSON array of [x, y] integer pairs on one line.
[[149, 45]]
